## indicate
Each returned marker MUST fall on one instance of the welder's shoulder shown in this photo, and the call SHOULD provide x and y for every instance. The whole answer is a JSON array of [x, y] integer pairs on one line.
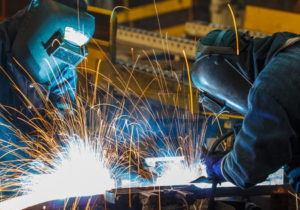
[[3, 34], [2, 45], [5, 42], [9, 27], [278, 37], [268, 46], [6, 35], [280, 81]]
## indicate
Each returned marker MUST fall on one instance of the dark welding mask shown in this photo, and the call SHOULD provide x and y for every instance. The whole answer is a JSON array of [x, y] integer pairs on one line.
[[52, 36], [220, 82]]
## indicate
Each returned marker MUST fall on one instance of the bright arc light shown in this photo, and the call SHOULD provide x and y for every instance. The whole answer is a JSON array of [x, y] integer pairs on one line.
[[180, 174], [152, 161], [75, 37], [79, 171]]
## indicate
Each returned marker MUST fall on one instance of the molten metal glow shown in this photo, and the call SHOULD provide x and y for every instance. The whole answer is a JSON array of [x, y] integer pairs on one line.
[[179, 174], [152, 161], [79, 171]]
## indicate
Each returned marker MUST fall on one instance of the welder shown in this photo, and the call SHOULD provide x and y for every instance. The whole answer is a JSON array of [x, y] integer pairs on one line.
[[258, 77], [40, 46]]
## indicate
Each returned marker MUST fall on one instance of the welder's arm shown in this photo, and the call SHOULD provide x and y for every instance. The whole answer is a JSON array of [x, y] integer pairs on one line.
[[263, 144], [63, 89]]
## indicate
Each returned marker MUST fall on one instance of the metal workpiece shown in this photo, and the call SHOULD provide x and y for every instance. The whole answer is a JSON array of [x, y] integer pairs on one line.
[[155, 197], [182, 197], [95, 202]]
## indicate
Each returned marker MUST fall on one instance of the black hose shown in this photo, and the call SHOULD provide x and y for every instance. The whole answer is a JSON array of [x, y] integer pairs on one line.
[[211, 201], [219, 141]]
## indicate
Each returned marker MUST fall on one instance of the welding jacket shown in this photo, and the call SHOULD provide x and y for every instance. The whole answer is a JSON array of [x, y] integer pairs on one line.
[[19, 96], [270, 134]]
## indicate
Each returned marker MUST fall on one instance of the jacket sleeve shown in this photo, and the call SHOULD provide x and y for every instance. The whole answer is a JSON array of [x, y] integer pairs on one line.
[[264, 143], [63, 88]]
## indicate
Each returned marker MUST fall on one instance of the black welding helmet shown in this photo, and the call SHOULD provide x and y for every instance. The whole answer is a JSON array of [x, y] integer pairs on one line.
[[218, 75], [52, 35]]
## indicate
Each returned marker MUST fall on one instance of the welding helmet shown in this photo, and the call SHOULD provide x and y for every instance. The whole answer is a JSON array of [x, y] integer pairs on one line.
[[52, 35], [218, 76]]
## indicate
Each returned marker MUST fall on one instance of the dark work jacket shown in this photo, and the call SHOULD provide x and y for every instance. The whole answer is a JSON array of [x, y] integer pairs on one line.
[[270, 134], [16, 88]]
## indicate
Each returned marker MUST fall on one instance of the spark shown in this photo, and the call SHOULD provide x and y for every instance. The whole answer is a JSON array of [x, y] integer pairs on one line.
[[79, 171], [107, 140], [190, 82], [235, 28], [96, 81]]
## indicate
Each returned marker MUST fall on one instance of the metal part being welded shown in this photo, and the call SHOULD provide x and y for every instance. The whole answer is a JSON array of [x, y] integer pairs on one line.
[[170, 197]]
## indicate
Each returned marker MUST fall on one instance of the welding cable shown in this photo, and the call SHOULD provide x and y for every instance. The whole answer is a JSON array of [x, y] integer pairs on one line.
[[215, 182], [213, 148], [211, 201]]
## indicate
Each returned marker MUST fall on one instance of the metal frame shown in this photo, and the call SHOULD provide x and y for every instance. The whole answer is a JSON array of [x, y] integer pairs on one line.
[[116, 198]]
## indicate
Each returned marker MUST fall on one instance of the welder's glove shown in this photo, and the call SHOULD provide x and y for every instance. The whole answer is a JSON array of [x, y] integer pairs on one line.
[[213, 164]]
